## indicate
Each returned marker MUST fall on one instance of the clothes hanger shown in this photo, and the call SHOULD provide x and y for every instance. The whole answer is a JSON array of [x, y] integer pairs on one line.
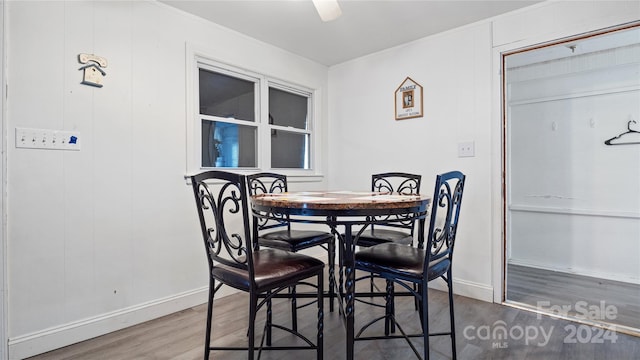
[[629, 131]]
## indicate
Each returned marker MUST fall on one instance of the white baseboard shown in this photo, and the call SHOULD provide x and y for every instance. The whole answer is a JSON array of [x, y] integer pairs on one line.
[[38, 342], [466, 288]]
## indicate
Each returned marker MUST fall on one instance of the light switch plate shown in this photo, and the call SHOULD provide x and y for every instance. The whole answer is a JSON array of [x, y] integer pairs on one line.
[[47, 139]]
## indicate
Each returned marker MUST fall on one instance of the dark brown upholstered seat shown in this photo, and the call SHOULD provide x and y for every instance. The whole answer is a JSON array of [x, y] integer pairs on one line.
[[402, 261], [235, 259], [273, 268], [279, 235], [408, 265], [294, 240], [378, 235]]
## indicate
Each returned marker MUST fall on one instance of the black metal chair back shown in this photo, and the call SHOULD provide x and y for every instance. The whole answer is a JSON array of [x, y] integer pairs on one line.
[[402, 183], [398, 182], [445, 211], [224, 219], [268, 183]]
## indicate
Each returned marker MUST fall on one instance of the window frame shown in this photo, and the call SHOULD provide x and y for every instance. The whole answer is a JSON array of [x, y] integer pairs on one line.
[[238, 74], [283, 86], [263, 82]]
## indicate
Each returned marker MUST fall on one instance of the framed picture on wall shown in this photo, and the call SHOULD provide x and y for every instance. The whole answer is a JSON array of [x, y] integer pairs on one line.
[[408, 100]]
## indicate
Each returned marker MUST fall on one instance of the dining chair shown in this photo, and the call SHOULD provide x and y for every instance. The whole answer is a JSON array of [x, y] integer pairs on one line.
[[235, 259], [407, 265], [399, 230], [279, 235]]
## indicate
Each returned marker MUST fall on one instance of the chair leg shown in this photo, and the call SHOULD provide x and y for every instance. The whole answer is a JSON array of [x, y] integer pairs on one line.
[[424, 318], [451, 316], [320, 338], [340, 268], [393, 308], [371, 283], [294, 309], [207, 337], [332, 274], [389, 324], [253, 304], [269, 321]]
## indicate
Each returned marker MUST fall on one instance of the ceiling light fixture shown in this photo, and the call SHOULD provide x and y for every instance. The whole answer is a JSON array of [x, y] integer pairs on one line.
[[327, 9]]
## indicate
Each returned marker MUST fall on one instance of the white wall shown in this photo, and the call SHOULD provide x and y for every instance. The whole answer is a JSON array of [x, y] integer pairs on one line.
[[454, 70], [107, 236], [460, 73]]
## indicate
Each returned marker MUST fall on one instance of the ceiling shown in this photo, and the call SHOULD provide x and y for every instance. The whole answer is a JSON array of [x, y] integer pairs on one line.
[[365, 27]]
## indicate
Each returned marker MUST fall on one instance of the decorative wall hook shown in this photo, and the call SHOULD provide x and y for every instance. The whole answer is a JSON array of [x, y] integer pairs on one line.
[[93, 74]]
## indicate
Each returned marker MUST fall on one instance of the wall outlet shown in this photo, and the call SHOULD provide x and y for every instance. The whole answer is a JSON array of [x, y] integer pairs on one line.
[[47, 139], [466, 149]]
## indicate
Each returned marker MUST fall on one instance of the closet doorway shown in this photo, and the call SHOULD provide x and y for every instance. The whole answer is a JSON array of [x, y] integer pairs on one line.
[[572, 176]]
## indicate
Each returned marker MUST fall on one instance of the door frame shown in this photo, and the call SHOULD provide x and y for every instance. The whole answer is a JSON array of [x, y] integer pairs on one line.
[[4, 351], [499, 142], [499, 168]]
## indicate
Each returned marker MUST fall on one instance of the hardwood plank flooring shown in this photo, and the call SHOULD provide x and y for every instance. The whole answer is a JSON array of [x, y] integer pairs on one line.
[[180, 336], [530, 286]]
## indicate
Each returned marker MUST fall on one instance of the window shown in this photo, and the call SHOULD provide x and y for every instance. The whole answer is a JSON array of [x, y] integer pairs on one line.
[[249, 121], [290, 134]]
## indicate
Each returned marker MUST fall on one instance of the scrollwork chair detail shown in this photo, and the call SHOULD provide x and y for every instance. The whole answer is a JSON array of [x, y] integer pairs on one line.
[[407, 265], [236, 260], [399, 231]]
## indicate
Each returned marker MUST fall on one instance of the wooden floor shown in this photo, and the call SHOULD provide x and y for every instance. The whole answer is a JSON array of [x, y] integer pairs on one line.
[[181, 335], [530, 286]]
